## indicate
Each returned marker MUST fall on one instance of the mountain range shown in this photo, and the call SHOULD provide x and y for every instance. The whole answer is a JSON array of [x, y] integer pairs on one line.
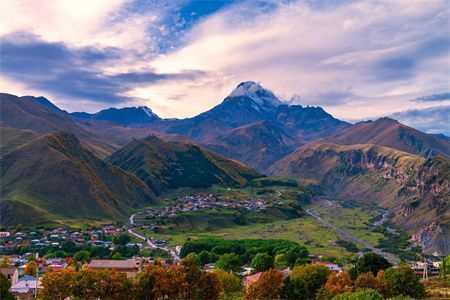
[[399, 167]]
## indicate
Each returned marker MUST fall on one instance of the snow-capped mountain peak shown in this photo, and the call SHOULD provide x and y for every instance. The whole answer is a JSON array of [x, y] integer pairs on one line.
[[149, 112], [261, 96]]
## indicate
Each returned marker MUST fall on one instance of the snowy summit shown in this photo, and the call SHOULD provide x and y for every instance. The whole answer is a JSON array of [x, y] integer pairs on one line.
[[262, 97]]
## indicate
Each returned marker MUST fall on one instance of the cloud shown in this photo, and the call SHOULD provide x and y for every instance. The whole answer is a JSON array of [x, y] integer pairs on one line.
[[358, 59], [434, 97], [431, 120], [342, 57], [76, 73]]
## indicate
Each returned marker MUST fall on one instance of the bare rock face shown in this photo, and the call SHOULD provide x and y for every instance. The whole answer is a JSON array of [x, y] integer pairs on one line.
[[417, 190]]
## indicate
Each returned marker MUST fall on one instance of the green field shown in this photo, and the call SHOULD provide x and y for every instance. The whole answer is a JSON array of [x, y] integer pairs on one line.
[[273, 223]]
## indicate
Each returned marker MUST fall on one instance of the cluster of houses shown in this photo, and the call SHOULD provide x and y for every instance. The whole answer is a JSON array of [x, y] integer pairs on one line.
[[205, 202], [55, 237]]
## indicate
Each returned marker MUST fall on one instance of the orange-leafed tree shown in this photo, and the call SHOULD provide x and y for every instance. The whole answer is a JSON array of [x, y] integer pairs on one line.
[[30, 269], [112, 284], [59, 284], [366, 281], [339, 283], [267, 287], [209, 286]]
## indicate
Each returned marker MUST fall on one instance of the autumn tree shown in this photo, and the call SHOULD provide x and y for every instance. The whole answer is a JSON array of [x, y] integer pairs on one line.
[[5, 262], [146, 281], [267, 287], [314, 276], [231, 284], [366, 281], [86, 281], [30, 269], [262, 262], [209, 286], [58, 284], [339, 283], [112, 284]]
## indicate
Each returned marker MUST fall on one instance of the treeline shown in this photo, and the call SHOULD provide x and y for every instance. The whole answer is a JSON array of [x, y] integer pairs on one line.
[[188, 281], [155, 281], [230, 255], [317, 282]]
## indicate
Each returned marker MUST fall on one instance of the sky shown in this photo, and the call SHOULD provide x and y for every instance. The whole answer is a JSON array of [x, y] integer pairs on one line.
[[357, 59]]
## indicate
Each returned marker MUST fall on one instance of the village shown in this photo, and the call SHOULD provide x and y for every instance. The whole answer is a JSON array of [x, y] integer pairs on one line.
[[204, 202], [25, 283]]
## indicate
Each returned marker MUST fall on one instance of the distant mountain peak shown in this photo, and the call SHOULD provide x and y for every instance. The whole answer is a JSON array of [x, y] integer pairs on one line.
[[261, 96], [124, 116]]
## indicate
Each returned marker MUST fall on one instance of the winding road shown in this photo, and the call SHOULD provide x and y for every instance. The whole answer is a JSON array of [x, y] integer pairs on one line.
[[149, 242], [390, 257]]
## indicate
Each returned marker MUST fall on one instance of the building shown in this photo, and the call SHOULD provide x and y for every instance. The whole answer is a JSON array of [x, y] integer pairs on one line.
[[11, 273], [251, 278], [26, 287], [130, 266], [332, 266]]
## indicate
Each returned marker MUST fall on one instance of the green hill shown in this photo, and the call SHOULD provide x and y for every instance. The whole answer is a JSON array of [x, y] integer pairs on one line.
[[165, 165], [416, 189], [56, 179]]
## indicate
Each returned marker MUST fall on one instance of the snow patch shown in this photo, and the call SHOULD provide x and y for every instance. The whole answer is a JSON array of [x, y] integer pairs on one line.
[[262, 97], [149, 112]]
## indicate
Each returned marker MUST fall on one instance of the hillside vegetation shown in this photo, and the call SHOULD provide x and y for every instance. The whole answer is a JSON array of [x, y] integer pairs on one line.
[[414, 188], [167, 165], [54, 178]]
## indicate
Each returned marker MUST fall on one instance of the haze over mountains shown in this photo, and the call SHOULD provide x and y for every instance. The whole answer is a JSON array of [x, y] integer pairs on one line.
[[397, 166]]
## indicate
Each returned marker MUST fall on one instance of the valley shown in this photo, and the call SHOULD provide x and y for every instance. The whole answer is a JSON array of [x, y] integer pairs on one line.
[[337, 228], [77, 169]]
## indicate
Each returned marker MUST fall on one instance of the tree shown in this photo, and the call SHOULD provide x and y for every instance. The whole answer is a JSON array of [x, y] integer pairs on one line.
[[30, 269], [111, 284], [195, 258], [5, 262], [146, 280], [267, 287], [294, 289], [315, 276], [366, 281], [403, 281], [231, 284], [372, 262], [281, 261], [229, 262], [86, 282], [117, 256], [208, 286], [5, 285], [82, 256], [205, 257], [122, 239], [360, 295], [59, 284], [262, 262], [338, 284]]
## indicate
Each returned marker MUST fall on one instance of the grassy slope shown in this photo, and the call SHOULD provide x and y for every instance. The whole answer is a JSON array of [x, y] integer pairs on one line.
[[55, 179], [167, 165]]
